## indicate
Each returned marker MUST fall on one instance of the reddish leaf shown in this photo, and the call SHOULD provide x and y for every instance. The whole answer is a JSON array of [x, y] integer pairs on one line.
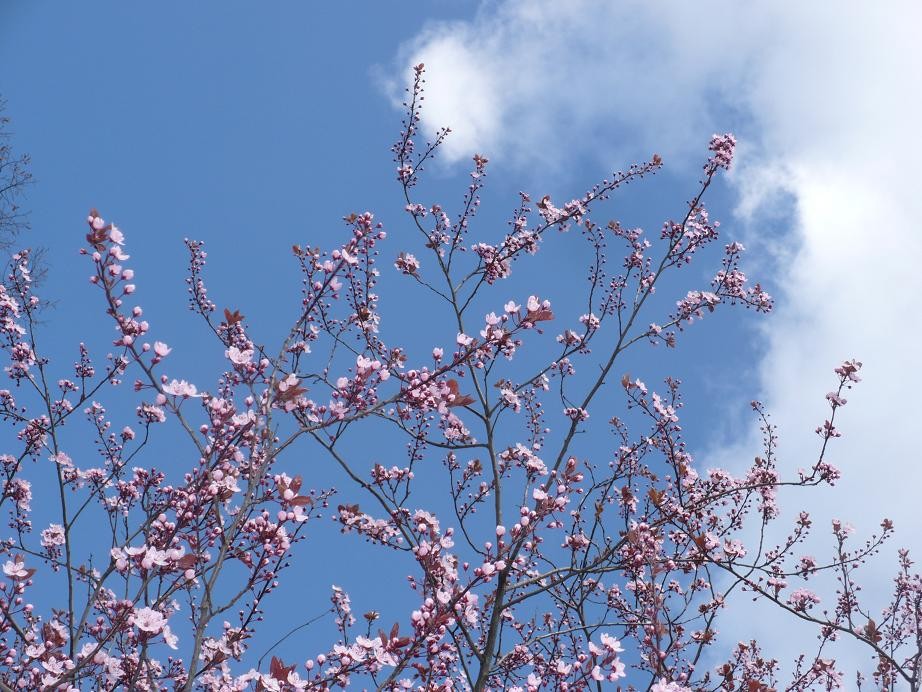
[[279, 670], [232, 317], [291, 393], [871, 632], [95, 237], [539, 315], [52, 635], [756, 686], [187, 561], [458, 398]]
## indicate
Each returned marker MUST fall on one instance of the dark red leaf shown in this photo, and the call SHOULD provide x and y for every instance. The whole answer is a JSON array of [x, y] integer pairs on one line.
[[458, 398], [232, 317], [279, 670], [187, 561], [540, 315]]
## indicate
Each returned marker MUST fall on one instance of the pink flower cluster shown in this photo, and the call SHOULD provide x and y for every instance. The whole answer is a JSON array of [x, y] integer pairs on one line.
[[542, 548]]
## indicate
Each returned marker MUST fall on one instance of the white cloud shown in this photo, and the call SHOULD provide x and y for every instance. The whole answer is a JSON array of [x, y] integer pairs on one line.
[[530, 80], [827, 96]]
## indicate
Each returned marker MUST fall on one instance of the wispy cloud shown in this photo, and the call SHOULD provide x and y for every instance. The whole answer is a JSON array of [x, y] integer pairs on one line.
[[827, 97]]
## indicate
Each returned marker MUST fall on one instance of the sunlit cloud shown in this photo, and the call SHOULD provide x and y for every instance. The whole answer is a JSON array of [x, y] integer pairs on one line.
[[826, 100]]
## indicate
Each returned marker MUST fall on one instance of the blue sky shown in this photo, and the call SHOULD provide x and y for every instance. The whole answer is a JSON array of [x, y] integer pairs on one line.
[[254, 130]]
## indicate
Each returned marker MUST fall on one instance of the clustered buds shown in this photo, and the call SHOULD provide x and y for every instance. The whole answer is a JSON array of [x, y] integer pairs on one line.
[[537, 554]]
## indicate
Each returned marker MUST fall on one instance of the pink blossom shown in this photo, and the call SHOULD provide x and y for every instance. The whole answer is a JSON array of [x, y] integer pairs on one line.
[[290, 381], [664, 685], [611, 643], [53, 536], [171, 639], [16, 569], [407, 263], [723, 147], [149, 620], [803, 599], [181, 388]]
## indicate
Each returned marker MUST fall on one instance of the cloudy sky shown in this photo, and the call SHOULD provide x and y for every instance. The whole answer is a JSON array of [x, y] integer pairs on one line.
[[191, 122], [826, 102]]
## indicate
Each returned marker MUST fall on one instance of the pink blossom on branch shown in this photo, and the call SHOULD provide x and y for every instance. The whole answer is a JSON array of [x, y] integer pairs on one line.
[[540, 561]]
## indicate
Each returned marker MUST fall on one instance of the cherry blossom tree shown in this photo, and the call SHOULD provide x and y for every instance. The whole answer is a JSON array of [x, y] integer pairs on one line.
[[575, 544]]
